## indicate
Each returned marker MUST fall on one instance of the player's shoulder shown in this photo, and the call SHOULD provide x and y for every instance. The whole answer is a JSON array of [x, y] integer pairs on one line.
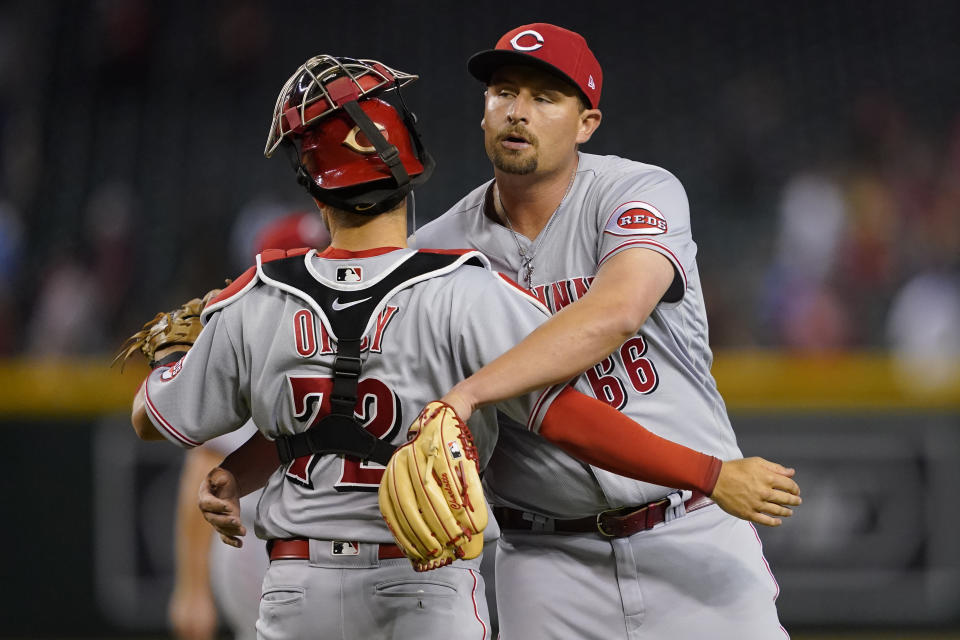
[[610, 170], [248, 281], [448, 228], [487, 286], [463, 266]]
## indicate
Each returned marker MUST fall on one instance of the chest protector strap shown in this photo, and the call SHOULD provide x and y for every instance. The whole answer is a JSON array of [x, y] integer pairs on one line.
[[340, 432]]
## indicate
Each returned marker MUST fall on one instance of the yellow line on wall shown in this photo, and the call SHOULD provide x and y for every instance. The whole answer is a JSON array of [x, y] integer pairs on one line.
[[748, 380], [69, 388], [870, 381]]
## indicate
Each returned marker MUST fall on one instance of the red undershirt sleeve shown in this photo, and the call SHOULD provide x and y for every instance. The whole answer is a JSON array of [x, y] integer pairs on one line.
[[602, 436]]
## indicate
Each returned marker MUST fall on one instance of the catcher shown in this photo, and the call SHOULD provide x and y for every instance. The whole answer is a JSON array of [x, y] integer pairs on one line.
[[332, 353]]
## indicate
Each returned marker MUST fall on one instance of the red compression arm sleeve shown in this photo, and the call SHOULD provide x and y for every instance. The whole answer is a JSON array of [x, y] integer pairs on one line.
[[602, 436]]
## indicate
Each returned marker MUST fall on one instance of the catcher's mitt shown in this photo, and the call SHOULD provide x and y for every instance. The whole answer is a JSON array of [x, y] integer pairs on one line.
[[430, 494], [179, 327]]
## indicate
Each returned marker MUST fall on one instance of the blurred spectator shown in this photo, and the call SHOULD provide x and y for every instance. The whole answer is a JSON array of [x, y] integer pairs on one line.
[[83, 294], [108, 230], [805, 311], [67, 318], [850, 238], [923, 332]]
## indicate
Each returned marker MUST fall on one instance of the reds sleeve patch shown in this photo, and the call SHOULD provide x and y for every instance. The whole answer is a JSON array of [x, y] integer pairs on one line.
[[636, 219]]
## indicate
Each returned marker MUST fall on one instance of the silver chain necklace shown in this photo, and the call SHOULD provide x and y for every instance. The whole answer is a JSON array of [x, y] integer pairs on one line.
[[526, 257]]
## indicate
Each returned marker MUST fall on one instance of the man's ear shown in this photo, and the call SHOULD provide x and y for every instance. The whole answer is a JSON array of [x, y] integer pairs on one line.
[[483, 120], [589, 121]]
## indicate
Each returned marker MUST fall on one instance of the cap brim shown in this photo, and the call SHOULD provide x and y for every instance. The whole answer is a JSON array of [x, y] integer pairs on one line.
[[482, 65]]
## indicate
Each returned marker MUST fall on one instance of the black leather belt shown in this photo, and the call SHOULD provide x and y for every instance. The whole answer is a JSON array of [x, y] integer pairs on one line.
[[614, 523]]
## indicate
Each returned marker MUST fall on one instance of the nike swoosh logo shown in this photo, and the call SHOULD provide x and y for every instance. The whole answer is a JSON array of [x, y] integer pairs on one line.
[[338, 306]]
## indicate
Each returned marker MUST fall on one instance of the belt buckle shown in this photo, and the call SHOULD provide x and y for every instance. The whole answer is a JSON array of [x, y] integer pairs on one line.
[[623, 511]]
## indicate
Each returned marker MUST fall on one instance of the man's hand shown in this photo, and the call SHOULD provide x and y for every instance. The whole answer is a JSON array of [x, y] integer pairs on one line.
[[757, 490], [219, 501]]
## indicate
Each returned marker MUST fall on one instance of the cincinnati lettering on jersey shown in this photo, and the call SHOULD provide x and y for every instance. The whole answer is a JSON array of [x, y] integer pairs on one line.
[[557, 295], [636, 219]]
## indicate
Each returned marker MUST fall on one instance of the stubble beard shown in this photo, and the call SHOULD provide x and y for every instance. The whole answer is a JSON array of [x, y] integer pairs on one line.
[[510, 161], [514, 162]]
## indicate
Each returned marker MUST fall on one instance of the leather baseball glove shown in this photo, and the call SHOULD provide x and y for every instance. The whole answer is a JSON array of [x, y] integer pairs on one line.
[[430, 494], [179, 327]]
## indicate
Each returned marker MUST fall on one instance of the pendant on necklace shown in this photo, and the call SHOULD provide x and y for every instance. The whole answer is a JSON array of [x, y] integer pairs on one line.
[[528, 271]]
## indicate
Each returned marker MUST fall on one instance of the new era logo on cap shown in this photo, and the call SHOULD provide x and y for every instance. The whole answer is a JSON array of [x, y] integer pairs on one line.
[[558, 50]]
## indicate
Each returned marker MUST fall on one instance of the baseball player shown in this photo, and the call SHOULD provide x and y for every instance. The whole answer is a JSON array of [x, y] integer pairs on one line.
[[606, 244], [332, 353]]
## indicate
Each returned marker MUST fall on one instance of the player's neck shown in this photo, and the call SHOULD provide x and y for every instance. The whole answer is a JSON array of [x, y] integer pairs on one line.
[[369, 232], [530, 200]]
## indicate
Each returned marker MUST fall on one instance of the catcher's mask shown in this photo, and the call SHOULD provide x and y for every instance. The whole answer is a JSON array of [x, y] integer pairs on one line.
[[356, 152]]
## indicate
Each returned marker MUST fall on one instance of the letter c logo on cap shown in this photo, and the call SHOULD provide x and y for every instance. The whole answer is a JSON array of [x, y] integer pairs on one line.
[[515, 41]]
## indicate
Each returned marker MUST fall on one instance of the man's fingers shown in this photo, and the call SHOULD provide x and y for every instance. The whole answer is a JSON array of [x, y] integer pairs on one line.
[[229, 525], [784, 498], [777, 468], [784, 483], [233, 542], [765, 520], [210, 504], [226, 524], [774, 509]]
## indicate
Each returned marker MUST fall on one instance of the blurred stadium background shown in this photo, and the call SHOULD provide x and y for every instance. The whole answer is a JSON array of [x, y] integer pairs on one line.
[[820, 146]]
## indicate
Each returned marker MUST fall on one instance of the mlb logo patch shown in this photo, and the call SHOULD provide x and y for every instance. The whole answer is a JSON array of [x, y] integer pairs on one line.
[[636, 219], [344, 548], [349, 274], [455, 451]]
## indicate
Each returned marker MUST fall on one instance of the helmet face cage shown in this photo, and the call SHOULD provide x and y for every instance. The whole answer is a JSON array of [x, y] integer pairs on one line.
[[320, 86]]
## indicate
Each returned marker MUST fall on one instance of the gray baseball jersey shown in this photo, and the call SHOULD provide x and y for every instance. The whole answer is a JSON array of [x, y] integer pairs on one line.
[[267, 351], [613, 205]]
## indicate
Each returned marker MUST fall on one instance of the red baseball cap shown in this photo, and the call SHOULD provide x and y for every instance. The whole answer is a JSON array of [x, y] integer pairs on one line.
[[555, 49]]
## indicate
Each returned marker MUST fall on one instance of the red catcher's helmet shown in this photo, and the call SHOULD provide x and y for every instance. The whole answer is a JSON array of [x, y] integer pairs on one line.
[[362, 155], [338, 154], [320, 86]]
